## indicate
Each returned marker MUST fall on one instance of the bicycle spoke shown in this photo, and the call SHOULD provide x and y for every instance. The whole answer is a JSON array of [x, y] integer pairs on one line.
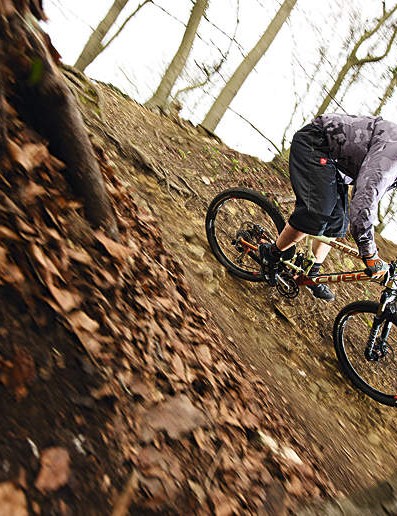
[[237, 220], [237, 217], [379, 374]]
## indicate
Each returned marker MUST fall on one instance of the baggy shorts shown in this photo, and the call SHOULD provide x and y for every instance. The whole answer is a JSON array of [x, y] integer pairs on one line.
[[321, 206]]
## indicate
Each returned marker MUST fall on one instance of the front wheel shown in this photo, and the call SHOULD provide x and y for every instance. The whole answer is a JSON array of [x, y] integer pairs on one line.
[[375, 374], [236, 217]]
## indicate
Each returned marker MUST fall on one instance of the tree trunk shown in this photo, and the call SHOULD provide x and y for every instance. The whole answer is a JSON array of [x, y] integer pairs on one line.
[[233, 85], [93, 47], [160, 97], [36, 87]]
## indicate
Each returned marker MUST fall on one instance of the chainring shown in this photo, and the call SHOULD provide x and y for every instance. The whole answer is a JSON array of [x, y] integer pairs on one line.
[[286, 285]]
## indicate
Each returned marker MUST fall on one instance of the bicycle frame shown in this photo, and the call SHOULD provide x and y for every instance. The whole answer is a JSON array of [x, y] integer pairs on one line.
[[334, 277], [302, 277]]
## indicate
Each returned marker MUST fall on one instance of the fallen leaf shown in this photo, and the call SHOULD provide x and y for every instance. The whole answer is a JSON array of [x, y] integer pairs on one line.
[[44, 260], [67, 300], [224, 504], [8, 234], [9, 272], [12, 500], [55, 469], [203, 354], [178, 366], [79, 255], [80, 320], [29, 155], [23, 373], [85, 330], [12, 274], [177, 416], [89, 341], [119, 251], [31, 191]]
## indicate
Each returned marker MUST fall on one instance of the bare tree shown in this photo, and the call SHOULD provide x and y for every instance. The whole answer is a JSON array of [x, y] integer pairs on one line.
[[356, 63], [235, 82], [163, 92], [95, 45]]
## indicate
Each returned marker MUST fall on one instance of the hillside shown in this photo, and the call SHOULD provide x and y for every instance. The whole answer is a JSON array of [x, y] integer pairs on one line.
[[139, 376]]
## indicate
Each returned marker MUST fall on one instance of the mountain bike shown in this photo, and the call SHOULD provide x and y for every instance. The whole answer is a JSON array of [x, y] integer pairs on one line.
[[239, 219]]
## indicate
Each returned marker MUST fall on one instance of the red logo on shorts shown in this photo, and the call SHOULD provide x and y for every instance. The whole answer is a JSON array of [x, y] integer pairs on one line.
[[323, 161]]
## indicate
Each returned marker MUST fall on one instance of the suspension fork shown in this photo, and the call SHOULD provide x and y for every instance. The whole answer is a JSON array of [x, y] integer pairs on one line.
[[378, 320]]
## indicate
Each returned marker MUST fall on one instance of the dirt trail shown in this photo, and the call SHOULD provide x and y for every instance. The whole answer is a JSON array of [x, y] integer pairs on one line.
[[288, 343]]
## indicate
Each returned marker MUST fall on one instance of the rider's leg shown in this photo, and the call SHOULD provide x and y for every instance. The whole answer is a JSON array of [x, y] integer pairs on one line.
[[270, 254], [321, 291], [320, 250], [289, 237]]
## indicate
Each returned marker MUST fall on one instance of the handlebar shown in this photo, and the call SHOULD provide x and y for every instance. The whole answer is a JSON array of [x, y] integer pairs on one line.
[[390, 277]]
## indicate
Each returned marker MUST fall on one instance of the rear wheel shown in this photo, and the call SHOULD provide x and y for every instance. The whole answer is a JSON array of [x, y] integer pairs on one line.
[[237, 216], [375, 375]]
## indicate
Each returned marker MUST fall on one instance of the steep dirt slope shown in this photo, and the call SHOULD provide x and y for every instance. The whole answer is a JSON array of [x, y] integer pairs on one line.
[[139, 377], [119, 393], [176, 170]]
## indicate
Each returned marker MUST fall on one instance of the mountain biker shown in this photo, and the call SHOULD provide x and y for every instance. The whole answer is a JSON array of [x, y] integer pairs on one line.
[[327, 155]]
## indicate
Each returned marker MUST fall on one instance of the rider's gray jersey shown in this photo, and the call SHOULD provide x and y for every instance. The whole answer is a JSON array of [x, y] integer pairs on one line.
[[365, 149]]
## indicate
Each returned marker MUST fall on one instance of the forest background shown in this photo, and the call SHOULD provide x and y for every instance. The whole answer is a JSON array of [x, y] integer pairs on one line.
[[322, 56]]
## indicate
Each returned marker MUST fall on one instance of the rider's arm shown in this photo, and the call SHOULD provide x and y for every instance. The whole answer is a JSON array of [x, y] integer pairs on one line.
[[371, 185]]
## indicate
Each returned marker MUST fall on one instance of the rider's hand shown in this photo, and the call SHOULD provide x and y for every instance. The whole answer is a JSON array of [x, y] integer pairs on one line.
[[374, 264]]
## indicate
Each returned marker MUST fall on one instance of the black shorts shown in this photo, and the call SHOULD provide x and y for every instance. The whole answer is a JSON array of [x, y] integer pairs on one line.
[[321, 196]]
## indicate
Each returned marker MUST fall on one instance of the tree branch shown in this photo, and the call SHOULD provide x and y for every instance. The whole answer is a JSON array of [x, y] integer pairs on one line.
[[125, 23]]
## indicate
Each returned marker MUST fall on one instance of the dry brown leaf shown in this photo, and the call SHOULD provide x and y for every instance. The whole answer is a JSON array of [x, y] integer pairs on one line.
[[145, 303], [44, 260], [25, 228], [55, 469], [85, 330], [203, 354], [12, 500], [105, 391], [81, 320], [9, 272], [8, 234], [141, 388], [224, 504], [66, 299], [29, 155], [90, 342], [7, 8], [79, 255], [177, 416], [119, 251], [31, 191], [168, 304], [178, 367], [3, 257], [23, 372], [202, 439]]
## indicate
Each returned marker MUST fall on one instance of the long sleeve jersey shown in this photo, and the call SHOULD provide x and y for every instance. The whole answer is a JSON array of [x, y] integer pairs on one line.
[[365, 149]]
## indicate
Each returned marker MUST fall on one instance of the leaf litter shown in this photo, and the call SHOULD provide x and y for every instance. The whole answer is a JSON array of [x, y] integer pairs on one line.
[[103, 345]]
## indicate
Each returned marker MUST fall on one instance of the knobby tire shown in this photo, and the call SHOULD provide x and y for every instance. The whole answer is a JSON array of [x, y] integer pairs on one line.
[[268, 215], [350, 352]]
